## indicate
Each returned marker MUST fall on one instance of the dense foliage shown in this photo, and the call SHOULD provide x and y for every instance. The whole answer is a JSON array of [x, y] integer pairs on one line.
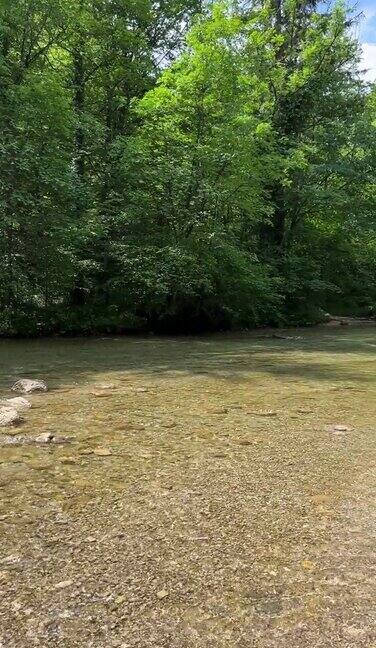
[[175, 166]]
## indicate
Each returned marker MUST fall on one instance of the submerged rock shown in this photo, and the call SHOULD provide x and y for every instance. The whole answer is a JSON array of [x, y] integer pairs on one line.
[[162, 594], [27, 386], [102, 452], [23, 439], [69, 461], [63, 584], [18, 403], [106, 386], [35, 464], [279, 336], [339, 429], [5, 440], [9, 416], [46, 437], [86, 451], [61, 439], [100, 394]]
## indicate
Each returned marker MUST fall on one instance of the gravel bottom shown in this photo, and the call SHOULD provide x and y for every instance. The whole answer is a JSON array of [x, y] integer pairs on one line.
[[216, 492]]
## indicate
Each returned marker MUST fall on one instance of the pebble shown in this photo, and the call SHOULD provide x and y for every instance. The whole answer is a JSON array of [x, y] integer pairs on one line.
[[63, 584], [101, 394], [106, 386], [339, 429], [162, 594], [102, 452]]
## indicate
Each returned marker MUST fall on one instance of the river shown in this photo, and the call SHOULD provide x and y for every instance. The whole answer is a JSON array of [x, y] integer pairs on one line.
[[215, 492]]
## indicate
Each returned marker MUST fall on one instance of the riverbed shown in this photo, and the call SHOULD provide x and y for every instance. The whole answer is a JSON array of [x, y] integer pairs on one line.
[[214, 492]]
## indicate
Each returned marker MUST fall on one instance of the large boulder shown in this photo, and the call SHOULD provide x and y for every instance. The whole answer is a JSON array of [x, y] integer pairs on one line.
[[27, 386], [9, 416], [18, 403]]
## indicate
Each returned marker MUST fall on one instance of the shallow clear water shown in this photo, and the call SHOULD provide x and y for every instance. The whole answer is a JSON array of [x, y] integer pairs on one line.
[[226, 479]]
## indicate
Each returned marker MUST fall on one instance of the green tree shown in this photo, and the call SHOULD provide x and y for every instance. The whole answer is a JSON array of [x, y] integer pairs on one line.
[[35, 174], [148, 179]]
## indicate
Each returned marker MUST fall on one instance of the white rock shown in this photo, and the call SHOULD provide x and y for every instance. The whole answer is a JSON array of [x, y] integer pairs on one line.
[[27, 386], [9, 416], [18, 403], [46, 437]]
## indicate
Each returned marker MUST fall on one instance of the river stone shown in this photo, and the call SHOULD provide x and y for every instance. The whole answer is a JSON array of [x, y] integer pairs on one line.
[[69, 461], [341, 428], [102, 452], [27, 386], [35, 464], [106, 386], [46, 437], [101, 394], [18, 403], [162, 594], [22, 439], [60, 439], [63, 584], [6, 439], [9, 416]]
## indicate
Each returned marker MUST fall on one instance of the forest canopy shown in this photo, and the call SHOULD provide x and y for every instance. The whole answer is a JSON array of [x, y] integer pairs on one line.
[[183, 166]]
